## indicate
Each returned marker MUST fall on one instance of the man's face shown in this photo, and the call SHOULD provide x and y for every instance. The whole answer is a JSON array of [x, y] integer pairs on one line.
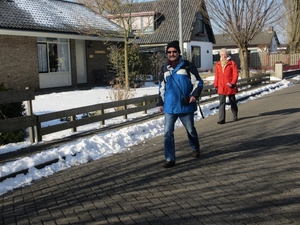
[[223, 55], [172, 54]]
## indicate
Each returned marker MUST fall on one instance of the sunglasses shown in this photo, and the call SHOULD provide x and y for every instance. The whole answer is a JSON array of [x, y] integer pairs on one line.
[[169, 52]]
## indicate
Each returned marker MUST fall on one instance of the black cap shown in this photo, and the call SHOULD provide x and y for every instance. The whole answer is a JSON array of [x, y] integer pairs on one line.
[[174, 44]]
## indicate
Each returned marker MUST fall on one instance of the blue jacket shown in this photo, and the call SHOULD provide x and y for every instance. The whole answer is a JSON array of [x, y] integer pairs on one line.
[[176, 82]]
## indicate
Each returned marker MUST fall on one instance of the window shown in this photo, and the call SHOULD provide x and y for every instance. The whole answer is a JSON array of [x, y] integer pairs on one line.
[[200, 26], [196, 56], [143, 24], [42, 54], [53, 55]]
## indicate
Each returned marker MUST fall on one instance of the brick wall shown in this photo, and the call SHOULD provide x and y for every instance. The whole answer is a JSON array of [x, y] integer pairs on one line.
[[19, 62]]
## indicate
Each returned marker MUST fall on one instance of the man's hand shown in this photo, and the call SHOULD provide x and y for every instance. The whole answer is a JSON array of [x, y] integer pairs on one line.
[[192, 99], [161, 109]]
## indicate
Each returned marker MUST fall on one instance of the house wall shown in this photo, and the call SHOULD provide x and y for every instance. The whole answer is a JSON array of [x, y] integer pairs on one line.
[[236, 50], [206, 54], [229, 50], [18, 62]]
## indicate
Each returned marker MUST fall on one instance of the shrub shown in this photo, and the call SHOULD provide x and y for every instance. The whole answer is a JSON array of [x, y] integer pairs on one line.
[[118, 92], [117, 65], [11, 110]]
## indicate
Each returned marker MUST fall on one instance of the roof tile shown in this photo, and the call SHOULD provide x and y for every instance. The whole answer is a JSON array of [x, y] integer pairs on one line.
[[169, 28], [51, 16]]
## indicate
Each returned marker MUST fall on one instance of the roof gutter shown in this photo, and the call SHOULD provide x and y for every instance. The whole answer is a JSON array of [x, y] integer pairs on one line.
[[153, 45], [61, 35]]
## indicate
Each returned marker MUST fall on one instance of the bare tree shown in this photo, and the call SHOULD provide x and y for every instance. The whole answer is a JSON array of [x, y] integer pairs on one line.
[[93, 25], [292, 24], [96, 6], [120, 12], [243, 20]]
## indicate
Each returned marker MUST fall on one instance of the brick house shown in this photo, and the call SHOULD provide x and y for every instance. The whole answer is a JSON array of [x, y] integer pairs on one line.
[[43, 44]]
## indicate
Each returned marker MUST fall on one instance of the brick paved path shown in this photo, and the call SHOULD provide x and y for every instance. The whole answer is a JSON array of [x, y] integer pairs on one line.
[[248, 173]]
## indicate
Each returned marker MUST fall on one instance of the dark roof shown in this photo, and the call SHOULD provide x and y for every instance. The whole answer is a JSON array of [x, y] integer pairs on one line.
[[168, 29], [51, 16], [263, 38]]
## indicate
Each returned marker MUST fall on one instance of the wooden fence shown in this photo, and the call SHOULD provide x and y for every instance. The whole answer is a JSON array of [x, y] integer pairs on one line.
[[129, 106], [264, 60], [268, 60], [28, 121]]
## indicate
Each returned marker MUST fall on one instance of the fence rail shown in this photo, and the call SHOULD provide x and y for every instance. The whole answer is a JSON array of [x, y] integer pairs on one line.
[[129, 106], [265, 60]]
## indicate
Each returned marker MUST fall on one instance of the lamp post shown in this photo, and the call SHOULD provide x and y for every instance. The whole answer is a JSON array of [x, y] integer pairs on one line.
[[180, 26]]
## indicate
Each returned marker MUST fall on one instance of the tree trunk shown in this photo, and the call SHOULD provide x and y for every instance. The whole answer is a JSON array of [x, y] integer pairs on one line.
[[244, 61], [292, 8], [292, 47], [126, 63]]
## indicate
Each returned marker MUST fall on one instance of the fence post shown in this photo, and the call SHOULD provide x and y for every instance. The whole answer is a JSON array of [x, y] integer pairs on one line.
[[101, 112], [279, 70], [73, 118], [30, 113], [145, 111], [38, 129], [125, 115]]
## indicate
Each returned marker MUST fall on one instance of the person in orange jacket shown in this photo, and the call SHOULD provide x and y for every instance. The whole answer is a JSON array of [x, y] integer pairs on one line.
[[226, 76]]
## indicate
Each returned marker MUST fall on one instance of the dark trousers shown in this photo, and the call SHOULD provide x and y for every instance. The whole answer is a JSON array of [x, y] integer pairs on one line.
[[222, 111]]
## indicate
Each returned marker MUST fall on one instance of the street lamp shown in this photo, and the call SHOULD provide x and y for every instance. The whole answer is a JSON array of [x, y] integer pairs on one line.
[[180, 26]]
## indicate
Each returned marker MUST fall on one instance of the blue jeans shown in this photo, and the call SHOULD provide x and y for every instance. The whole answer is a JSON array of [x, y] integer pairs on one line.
[[187, 120]]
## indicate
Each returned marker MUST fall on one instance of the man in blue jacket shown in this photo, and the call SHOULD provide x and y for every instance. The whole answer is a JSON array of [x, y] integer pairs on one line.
[[179, 87]]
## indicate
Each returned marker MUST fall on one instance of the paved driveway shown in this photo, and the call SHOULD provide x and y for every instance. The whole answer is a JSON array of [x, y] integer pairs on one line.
[[248, 173]]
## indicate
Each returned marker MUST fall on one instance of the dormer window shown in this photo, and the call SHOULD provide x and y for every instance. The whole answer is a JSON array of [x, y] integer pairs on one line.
[[199, 27], [143, 22]]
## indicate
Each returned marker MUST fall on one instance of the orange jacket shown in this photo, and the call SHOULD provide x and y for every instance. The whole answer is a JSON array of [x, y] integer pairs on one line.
[[230, 75]]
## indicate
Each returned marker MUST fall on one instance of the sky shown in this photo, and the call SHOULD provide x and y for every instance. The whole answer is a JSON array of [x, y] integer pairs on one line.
[[103, 144]]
